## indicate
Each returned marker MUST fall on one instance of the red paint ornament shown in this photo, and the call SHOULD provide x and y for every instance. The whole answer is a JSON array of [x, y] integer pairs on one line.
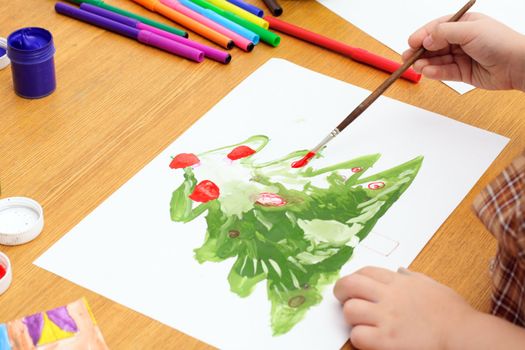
[[2, 271], [376, 185], [240, 152], [184, 160], [357, 169], [303, 161], [205, 191], [270, 199]]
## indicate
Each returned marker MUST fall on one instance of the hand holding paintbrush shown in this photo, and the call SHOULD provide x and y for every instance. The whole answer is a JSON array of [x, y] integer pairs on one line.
[[374, 95]]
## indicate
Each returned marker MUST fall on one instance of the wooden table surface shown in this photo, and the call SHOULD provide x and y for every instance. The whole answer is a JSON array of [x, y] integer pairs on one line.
[[118, 104]]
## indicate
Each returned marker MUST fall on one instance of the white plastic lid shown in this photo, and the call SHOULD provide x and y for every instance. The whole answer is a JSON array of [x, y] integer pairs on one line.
[[4, 60], [5, 281], [21, 220]]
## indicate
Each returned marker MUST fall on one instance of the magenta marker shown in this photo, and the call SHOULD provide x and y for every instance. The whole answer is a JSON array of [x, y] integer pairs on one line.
[[142, 36], [210, 52]]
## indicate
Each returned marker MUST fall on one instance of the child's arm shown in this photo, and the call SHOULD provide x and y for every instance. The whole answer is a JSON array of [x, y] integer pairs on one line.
[[477, 50], [408, 310]]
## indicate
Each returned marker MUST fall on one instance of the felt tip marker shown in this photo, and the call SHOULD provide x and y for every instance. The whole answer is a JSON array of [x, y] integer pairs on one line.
[[248, 34], [239, 41], [248, 7], [264, 34], [145, 20], [142, 36], [355, 53], [223, 4], [210, 52], [190, 23], [274, 7]]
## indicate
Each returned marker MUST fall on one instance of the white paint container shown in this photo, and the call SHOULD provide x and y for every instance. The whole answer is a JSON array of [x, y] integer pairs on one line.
[[21, 220]]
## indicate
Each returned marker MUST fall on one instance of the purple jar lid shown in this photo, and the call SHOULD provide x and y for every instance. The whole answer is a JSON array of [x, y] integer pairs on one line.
[[30, 45]]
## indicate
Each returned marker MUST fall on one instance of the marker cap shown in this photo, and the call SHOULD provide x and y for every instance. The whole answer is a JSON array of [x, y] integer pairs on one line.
[[5, 281], [21, 220]]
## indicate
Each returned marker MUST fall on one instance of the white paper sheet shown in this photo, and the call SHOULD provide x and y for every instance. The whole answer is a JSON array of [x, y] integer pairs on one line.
[[130, 251], [392, 22]]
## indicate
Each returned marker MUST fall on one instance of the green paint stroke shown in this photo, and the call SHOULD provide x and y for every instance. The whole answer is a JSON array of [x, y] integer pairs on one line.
[[299, 247]]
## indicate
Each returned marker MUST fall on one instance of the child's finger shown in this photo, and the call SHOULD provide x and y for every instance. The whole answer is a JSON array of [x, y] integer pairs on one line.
[[408, 53], [416, 39], [377, 273], [366, 337], [361, 312], [445, 34], [443, 72], [432, 61], [358, 286]]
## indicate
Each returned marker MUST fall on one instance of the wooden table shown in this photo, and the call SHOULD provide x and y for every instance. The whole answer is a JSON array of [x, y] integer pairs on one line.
[[119, 104]]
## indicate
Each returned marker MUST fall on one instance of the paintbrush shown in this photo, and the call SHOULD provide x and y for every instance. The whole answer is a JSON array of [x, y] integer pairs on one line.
[[374, 95]]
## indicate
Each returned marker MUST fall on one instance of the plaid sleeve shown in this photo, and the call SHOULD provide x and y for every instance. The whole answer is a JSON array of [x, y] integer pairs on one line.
[[500, 207]]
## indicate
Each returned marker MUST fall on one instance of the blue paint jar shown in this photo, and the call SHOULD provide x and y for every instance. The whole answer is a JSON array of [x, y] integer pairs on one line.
[[31, 52]]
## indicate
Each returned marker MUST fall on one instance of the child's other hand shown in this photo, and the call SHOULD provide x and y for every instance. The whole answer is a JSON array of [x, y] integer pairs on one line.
[[477, 50], [404, 310]]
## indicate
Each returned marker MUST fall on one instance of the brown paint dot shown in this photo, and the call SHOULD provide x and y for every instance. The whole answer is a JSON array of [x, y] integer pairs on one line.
[[296, 301], [234, 234]]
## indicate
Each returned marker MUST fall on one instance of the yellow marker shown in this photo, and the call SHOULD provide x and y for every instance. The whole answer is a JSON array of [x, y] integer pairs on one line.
[[240, 12]]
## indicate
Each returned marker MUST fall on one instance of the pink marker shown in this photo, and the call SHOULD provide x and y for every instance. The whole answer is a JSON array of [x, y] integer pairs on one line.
[[238, 40], [210, 52]]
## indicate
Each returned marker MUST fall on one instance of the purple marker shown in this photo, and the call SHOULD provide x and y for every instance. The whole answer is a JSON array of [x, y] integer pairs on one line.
[[210, 52], [248, 7], [142, 36]]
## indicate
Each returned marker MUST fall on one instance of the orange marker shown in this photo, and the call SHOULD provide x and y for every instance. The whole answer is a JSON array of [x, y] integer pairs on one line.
[[191, 24]]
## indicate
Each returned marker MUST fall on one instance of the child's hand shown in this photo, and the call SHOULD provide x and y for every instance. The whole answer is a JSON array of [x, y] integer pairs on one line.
[[404, 310], [477, 50]]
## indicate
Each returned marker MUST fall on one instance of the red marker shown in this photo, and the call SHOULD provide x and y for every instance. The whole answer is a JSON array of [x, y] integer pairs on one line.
[[354, 53], [303, 161]]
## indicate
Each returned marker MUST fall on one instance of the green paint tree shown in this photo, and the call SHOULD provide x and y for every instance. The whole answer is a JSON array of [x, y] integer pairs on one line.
[[294, 228]]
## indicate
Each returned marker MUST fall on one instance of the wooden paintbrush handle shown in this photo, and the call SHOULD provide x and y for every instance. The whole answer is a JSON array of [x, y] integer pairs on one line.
[[386, 84]]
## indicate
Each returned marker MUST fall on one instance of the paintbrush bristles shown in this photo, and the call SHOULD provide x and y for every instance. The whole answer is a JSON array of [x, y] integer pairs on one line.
[[386, 84]]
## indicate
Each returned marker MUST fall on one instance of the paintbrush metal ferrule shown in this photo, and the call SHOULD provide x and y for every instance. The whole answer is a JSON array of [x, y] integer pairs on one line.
[[327, 139]]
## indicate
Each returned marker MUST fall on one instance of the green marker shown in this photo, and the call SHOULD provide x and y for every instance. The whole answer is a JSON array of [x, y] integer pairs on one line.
[[102, 4], [265, 35]]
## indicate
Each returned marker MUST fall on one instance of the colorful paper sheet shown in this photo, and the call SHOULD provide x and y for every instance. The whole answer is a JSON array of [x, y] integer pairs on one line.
[[67, 327]]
